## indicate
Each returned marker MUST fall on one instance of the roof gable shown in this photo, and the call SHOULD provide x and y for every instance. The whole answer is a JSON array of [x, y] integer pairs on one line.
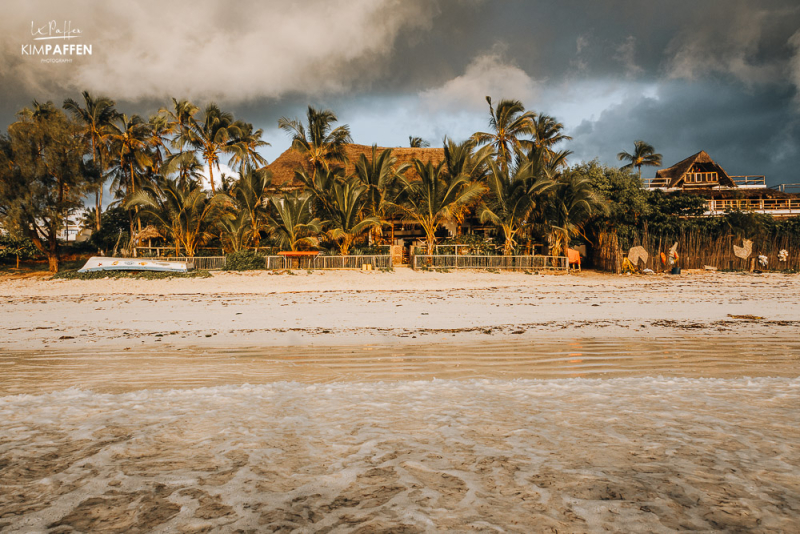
[[676, 173]]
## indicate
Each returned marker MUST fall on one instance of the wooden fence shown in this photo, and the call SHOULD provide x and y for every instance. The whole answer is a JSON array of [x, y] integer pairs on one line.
[[696, 251], [452, 261], [377, 262], [216, 263], [199, 263]]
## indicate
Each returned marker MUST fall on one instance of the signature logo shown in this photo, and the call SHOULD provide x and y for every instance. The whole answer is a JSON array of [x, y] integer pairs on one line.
[[60, 32], [52, 30]]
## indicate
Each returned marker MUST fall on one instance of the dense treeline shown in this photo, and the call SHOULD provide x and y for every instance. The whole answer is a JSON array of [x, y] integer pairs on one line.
[[656, 220], [513, 178]]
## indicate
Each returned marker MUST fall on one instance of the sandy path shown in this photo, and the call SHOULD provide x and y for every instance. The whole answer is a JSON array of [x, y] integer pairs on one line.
[[336, 307]]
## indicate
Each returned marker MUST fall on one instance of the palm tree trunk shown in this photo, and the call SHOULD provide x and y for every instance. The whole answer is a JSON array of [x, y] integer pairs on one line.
[[98, 195], [98, 199]]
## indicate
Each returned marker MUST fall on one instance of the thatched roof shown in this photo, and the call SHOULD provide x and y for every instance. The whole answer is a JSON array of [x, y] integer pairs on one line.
[[675, 174], [149, 232], [284, 166]]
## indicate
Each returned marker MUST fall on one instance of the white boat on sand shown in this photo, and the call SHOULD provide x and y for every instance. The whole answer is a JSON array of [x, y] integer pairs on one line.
[[100, 263]]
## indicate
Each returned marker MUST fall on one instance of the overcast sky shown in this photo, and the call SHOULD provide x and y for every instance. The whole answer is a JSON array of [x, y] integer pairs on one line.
[[720, 76]]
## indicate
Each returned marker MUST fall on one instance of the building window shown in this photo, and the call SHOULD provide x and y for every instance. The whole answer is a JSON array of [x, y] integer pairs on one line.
[[701, 177]]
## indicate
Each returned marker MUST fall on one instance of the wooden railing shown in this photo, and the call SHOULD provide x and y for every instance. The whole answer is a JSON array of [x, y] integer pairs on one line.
[[532, 263], [647, 183], [379, 261], [776, 205], [158, 252], [199, 263], [756, 179], [746, 180], [784, 187]]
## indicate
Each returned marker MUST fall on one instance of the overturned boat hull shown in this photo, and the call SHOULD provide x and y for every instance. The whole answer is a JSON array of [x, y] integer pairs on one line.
[[99, 263]]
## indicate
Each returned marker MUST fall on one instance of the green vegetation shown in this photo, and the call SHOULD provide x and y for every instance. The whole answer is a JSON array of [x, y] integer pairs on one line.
[[245, 260], [138, 275], [17, 249], [514, 178], [43, 176]]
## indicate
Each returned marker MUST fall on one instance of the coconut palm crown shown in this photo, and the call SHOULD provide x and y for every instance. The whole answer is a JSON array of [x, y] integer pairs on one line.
[[320, 143], [96, 117], [509, 123], [643, 154]]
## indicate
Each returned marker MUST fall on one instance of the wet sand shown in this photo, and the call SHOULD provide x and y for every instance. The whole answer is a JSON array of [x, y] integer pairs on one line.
[[620, 455], [401, 402], [690, 356]]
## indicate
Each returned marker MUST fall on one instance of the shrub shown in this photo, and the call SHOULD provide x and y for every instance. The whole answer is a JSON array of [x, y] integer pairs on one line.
[[13, 249], [139, 275], [245, 260]]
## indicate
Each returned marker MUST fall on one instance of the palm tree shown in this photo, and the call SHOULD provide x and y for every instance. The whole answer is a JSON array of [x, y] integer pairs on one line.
[[215, 134], [461, 159], [244, 148], [643, 154], [179, 123], [509, 123], [234, 231], [292, 223], [346, 222], [511, 199], [187, 213], [161, 132], [574, 202], [321, 145], [435, 198], [96, 117], [186, 166], [130, 140], [250, 194], [547, 132], [417, 142], [380, 178], [319, 186]]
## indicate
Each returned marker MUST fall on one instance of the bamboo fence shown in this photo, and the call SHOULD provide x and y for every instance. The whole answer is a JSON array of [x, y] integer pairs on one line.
[[698, 250]]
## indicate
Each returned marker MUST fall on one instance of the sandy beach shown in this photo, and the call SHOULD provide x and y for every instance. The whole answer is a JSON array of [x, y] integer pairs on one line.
[[400, 402], [259, 309]]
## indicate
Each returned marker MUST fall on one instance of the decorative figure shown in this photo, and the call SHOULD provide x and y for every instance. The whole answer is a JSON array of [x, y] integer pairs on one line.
[[673, 254], [763, 260], [783, 255], [638, 253], [743, 251]]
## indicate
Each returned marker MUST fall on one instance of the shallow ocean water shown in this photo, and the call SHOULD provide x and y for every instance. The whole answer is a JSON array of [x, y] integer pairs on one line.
[[631, 453], [167, 368]]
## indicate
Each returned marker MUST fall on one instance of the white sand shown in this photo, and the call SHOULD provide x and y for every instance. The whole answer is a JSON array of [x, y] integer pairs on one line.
[[344, 307]]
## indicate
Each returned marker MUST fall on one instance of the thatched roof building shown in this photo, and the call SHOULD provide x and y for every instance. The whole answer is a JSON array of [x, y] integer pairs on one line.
[[149, 232], [284, 166], [696, 171]]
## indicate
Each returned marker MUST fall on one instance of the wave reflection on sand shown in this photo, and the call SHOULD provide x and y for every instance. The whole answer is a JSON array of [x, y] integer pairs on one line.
[[626, 454], [166, 368]]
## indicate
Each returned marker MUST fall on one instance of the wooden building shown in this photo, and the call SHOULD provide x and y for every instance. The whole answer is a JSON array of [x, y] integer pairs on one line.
[[700, 175], [402, 232]]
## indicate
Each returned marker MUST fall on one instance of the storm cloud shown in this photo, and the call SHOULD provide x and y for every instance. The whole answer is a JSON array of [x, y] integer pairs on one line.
[[719, 75]]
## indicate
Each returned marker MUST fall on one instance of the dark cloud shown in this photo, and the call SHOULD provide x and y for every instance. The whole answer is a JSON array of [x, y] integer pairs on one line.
[[720, 75], [745, 132]]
